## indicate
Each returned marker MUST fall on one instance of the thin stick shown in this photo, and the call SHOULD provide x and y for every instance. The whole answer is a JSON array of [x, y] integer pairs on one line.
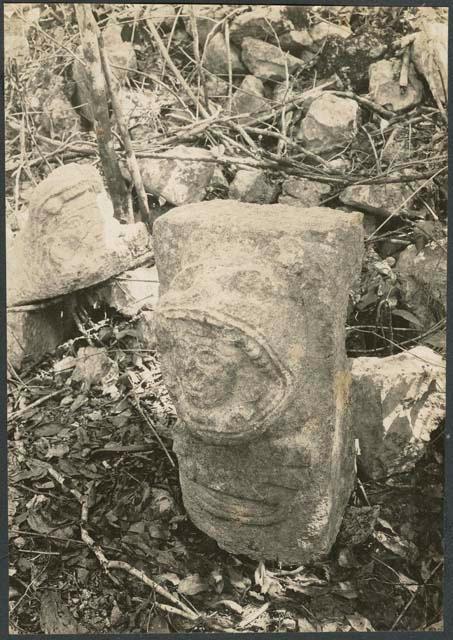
[[414, 595], [33, 405], [96, 85], [114, 89]]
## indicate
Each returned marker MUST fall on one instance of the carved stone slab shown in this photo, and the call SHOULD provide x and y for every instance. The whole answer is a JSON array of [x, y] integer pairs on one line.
[[250, 327], [71, 239]]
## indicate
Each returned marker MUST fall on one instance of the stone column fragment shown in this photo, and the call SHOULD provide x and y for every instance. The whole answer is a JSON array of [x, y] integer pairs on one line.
[[250, 327]]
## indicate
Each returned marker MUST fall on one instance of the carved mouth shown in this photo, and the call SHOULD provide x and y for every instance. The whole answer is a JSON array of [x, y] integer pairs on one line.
[[236, 508]]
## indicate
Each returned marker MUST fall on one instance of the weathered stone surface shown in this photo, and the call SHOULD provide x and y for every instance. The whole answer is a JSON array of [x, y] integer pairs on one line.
[[330, 122], [71, 239], [430, 56], [320, 31], [423, 278], [396, 403], [296, 41], [216, 87], [216, 58], [299, 192], [178, 181], [398, 146], [131, 291], [94, 367], [118, 52], [141, 110], [145, 328], [262, 23], [389, 196], [253, 186], [385, 87], [266, 61], [32, 334], [249, 98], [160, 15], [49, 99], [250, 328]]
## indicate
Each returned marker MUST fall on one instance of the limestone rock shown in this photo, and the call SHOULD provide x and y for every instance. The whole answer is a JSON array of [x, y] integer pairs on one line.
[[385, 88], [262, 23], [32, 334], [253, 186], [423, 277], [216, 88], [160, 15], [94, 367], [131, 291], [251, 332], [145, 328], [296, 41], [207, 16], [301, 192], [330, 122], [266, 61], [398, 147], [249, 98], [320, 31], [141, 110], [430, 56], [178, 181], [397, 402], [71, 239], [118, 52], [216, 59], [49, 99], [389, 196]]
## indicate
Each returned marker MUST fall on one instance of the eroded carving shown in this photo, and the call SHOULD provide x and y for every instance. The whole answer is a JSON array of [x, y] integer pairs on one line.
[[227, 384], [252, 350]]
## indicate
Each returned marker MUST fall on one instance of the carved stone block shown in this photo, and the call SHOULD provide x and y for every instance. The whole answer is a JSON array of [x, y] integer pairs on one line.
[[71, 239], [250, 328]]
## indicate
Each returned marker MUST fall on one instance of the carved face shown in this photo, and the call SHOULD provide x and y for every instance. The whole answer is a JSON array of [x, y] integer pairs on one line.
[[224, 380]]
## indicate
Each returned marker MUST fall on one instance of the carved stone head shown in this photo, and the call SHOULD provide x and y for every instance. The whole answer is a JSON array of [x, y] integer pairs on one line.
[[250, 328]]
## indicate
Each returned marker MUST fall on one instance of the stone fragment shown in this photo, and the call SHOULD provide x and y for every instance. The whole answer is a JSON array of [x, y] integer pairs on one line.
[[385, 87], [145, 329], [216, 87], [262, 23], [320, 31], [57, 116], [178, 181], [266, 61], [251, 333], [430, 55], [32, 334], [16, 41], [119, 53], [94, 367], [398, 147], [160, 15], [141, 111], [71, 239], [253, 185], [131, 291], [207, 17], [330, 122], [299, 192], [423, 278], [388, 196], [295, 41], [396, 402], [249, 98], [216, 57]]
